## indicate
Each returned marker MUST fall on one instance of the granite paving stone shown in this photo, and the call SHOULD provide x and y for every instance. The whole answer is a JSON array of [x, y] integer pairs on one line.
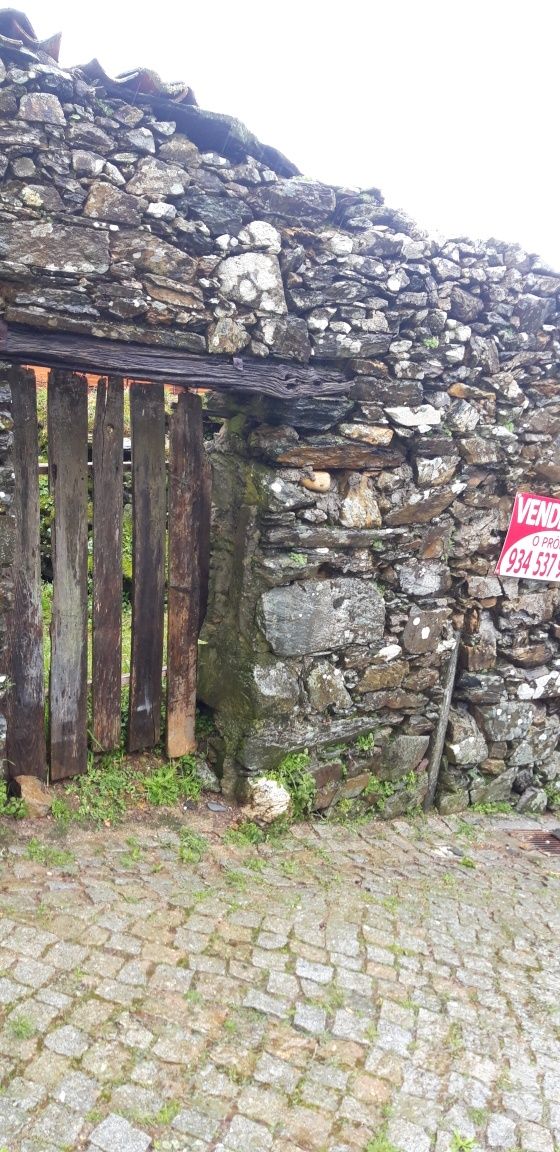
[[383, 991]]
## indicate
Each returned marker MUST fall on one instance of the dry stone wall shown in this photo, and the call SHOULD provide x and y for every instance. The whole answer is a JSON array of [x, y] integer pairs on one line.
[[354, 538]]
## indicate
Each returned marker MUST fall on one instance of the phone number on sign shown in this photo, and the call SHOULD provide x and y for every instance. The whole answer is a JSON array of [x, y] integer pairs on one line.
[[529, 562]]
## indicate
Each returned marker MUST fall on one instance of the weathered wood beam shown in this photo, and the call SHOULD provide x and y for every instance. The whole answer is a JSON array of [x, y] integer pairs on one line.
[[107, 563], [186, 509], [148, 576], [26, 707], [68, 446], [150, 362]]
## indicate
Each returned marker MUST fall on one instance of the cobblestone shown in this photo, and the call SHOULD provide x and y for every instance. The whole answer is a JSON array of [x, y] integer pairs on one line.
[[351, 983]]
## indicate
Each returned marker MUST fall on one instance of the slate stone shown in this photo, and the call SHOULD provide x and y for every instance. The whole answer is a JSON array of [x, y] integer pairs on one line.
[[465, 306], [55, 247], [423, 630], [534, 800], [276, 688], [317, 617], [326, 688], [507, 720], [41, 107], [108, 203], [221, 214], [287, 337], [424, 579], [156, 179], [300, 200], [465, 743]]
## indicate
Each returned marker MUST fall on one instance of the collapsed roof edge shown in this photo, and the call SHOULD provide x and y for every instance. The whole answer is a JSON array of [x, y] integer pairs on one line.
[[210, 131]]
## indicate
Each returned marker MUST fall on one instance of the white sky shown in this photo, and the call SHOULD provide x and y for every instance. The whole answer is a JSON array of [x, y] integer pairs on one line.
[[451, 107]]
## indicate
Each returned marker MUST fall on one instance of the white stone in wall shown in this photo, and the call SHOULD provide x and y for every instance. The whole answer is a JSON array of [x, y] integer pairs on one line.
[[435, 471], [422, 418], [261, 234], [268, 800], [253, 279]]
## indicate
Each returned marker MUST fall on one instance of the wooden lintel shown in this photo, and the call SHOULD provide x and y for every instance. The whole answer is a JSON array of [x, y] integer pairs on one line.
[[78, 353]]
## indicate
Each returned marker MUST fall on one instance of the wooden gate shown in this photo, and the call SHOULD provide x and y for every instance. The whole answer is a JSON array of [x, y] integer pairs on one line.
[[170, 519]]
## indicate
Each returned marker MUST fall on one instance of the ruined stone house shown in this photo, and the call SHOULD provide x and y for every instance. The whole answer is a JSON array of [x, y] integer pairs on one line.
[[406, 389]]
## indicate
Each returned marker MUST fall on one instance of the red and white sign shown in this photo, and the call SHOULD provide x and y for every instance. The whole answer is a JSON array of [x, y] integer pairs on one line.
[[532, 545]]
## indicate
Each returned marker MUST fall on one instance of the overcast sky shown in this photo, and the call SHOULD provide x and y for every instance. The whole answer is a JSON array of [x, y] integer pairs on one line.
[[450, 107]]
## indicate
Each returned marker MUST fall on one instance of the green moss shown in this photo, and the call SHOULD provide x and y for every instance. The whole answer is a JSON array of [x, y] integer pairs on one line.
[[236, 424]]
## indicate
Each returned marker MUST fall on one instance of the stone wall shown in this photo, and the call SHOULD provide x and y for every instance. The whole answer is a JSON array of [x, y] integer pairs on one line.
[[354, 538]]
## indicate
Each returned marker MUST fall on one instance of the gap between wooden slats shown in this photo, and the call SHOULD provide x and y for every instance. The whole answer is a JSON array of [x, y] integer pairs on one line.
[[148, 545], [26, 745], [68, 447], [107, 563]]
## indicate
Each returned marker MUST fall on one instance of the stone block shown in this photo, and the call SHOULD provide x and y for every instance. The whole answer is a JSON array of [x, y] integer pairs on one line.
[[423, 629], [402, 755], [276, 688], [429, 578], [507, 720], [465, 743], [533, 800], [254, 280], [379, 676], [326, 688], [322, 616], [53, 247]]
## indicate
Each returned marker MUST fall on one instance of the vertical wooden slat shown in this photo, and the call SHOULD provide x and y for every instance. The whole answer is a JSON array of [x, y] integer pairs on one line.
[[204, 543], [107, 563], [68, 447], [187, 503], [148, 507], [26, 744]]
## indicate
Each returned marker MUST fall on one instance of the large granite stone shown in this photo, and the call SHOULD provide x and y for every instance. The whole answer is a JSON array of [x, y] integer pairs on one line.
[[253, 279], [322, 616]]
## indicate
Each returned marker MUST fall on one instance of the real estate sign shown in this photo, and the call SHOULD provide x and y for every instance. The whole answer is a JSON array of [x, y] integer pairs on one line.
[[532, 546]]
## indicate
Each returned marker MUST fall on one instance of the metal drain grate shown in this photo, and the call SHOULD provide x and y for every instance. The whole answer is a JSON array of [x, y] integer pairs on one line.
[[545, 841]]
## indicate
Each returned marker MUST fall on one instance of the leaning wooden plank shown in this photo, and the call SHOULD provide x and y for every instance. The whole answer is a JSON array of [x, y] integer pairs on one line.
[[26, 744], [148, 548], [187, 506], [68, 449], [107, 563], [173, 365], [438, 736]]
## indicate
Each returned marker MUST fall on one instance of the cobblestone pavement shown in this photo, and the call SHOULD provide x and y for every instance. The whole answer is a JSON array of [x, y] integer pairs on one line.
[[346, 989]]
